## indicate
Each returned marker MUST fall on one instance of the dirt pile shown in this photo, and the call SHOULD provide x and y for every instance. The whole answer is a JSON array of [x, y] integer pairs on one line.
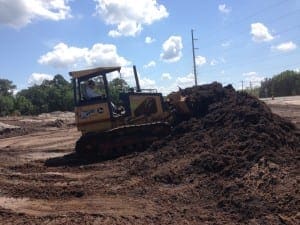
[[6, 128], [234, 153], [17, 126], [231, 162]]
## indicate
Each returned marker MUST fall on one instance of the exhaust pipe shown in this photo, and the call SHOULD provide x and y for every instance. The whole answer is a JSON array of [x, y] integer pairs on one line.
[[138, 87]]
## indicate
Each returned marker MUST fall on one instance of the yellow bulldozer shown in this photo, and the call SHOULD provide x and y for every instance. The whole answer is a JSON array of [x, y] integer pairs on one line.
[[110, 129]]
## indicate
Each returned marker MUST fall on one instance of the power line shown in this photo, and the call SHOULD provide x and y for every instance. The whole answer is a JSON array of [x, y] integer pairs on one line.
[[253, 59], [263, 10], [253, 83], [273, 20], [236, 47]]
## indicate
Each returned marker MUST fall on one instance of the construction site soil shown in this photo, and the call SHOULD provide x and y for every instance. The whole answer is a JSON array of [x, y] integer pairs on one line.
[[232, 161]]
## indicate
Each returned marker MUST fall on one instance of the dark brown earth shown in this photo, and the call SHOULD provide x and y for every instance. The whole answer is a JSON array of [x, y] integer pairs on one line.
[[232, 161]]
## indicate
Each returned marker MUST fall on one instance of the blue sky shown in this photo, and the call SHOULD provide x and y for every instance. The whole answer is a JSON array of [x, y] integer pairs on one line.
[[236, 40]]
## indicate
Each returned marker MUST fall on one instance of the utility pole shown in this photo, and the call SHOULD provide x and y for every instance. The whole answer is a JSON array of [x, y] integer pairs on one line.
[[194, 59], [242, 85]]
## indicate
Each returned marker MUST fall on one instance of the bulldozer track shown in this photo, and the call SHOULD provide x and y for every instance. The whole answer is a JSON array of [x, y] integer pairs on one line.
[[122, 140]]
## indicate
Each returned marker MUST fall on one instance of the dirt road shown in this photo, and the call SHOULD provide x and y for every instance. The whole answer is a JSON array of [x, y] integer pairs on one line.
[[66, 193], [42, 182]]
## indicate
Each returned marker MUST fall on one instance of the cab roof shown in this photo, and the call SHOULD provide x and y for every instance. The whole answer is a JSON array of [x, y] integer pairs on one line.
[[98, 70]]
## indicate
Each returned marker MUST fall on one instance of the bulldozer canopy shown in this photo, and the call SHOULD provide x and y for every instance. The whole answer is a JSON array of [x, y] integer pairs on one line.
[[98, 70]]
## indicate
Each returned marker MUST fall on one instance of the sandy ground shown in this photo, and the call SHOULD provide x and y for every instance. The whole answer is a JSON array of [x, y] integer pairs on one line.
[[94, 193], [288, 107], [288, 100]]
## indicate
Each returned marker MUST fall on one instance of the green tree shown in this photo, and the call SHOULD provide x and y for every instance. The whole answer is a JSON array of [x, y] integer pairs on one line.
[[116, 86], [37, 95], [51, 95], [253, 91], [6, 105], [59, 80], [23, 105], [6, 97], [6, 87], [286, 83]]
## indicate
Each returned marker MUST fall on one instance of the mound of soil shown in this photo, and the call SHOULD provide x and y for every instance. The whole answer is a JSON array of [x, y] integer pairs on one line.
[[232, 161], [18, 126], [7, 130], [234, 153]]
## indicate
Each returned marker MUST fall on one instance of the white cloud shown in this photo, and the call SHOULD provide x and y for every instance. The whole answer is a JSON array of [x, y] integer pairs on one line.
[[214, 62], [127, 72], [19, 13], [182, 82], [38, 78], [200, 60], [150, 64], [126, 28], [104, 55], [260, 33], [166, 76], [64, 56], [222, 59], [253, 77], [129, 16], [149, 40], [224, 9], [186, 81], [172, 49], [285, 47], [147, 83], [128, 75], [226, 44]]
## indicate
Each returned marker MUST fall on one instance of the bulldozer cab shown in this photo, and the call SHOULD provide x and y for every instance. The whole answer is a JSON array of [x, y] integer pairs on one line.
[[93, 106]]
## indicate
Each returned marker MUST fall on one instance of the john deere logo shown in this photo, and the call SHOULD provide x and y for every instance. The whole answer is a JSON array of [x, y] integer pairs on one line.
[[100, 110], [89, 113]]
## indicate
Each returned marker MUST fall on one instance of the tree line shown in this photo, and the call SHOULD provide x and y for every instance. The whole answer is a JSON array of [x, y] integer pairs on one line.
[[51, 95], [57, 94], [286, 83]]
